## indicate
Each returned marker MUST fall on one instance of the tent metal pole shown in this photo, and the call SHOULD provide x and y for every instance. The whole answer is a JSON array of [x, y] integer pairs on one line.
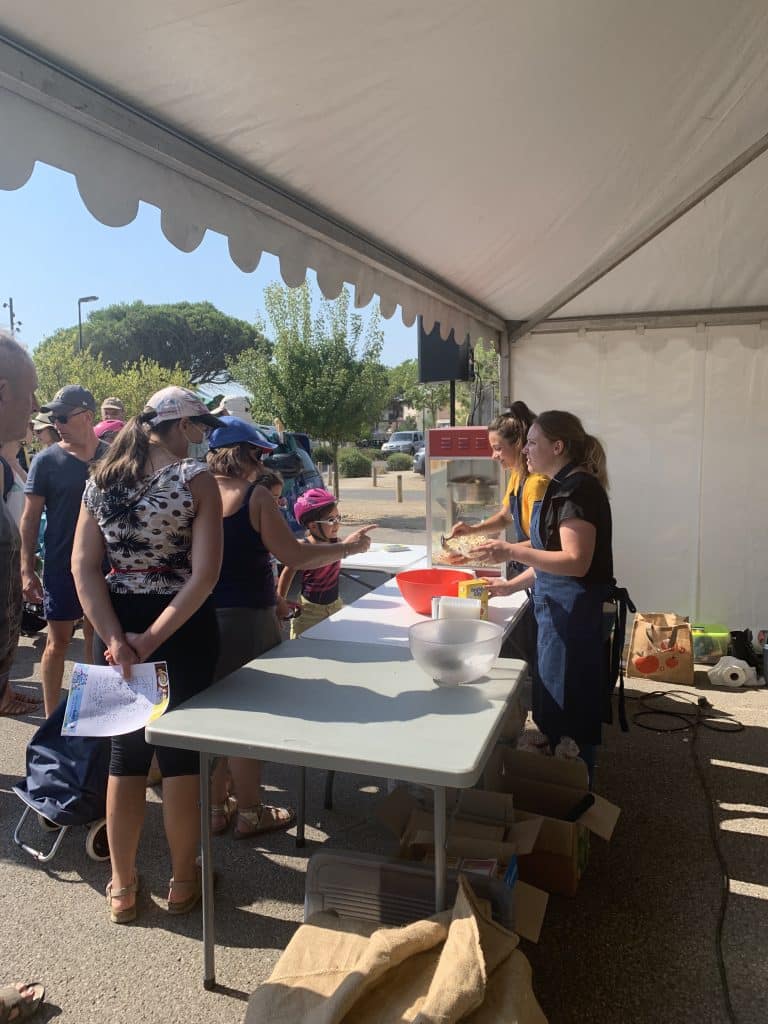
[[730, 317], [623, 250]]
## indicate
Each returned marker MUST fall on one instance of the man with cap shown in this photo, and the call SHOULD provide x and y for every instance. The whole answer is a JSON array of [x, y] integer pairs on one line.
[[55, 485], [113, 409]]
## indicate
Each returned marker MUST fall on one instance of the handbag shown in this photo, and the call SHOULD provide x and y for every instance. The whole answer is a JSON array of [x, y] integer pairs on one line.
[[661, 648]]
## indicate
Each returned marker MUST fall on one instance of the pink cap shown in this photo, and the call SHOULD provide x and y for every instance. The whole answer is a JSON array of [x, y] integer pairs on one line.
[[108, 427]]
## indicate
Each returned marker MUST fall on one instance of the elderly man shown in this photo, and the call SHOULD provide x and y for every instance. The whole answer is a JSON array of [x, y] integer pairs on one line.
[[55, 484], [112, 409], [18, 381]]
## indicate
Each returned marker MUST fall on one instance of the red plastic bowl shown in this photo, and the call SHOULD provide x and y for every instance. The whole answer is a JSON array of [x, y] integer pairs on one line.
[[419, 586]]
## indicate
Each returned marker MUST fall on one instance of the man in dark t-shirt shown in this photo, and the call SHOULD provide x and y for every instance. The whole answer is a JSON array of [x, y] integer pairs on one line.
[[55, 484]]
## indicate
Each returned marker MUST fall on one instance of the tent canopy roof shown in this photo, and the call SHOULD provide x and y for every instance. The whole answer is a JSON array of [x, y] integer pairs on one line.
[[469, 162]]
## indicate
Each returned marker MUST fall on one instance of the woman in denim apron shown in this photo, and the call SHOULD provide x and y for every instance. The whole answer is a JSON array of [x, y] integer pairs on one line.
[[570, 551]]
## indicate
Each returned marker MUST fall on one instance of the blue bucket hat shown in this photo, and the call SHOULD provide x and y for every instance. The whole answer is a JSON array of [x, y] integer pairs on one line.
[[236, 431]]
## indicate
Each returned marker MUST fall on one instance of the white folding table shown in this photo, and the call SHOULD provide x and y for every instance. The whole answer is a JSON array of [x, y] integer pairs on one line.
[[383, 617], [365, 709], [382, 558]]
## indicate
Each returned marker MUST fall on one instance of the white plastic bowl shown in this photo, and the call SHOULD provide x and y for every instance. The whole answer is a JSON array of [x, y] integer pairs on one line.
[[455, 651]]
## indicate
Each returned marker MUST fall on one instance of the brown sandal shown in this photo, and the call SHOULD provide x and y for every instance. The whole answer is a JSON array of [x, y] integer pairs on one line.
[[128, 914], [261, 819], [184, 906], [221, 816]]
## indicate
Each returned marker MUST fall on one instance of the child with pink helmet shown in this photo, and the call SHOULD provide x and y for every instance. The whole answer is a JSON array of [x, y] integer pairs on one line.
[[316, 510]]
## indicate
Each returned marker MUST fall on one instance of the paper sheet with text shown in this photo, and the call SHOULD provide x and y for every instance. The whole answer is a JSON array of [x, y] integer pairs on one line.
[[102, 703]]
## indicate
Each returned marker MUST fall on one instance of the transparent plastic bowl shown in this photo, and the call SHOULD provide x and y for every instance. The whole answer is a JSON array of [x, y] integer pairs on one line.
[[455, 651]]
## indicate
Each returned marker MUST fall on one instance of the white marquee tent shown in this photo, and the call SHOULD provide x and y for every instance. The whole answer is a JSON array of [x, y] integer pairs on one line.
[[580, 181]]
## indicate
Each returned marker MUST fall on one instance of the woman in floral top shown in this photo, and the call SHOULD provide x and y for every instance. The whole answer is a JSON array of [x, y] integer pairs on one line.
[[156, 515]]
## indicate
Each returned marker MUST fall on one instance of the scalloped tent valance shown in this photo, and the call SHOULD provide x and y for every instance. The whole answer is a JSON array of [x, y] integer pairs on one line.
[[112, 179]]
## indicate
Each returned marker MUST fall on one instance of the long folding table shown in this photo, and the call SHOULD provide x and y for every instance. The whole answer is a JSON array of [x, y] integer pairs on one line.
[[360, 708]]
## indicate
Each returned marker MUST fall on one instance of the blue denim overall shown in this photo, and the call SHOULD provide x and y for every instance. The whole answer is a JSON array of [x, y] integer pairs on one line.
[[572, 672]]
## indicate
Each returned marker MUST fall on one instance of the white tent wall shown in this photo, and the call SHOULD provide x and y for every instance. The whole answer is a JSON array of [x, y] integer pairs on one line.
[[683, 414]]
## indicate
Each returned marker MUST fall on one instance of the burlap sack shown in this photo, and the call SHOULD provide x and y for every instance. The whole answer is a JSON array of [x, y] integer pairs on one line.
[[661, 648], [457, 966]]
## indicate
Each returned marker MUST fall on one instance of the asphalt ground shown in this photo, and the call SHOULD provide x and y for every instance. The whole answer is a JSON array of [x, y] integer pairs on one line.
[[636, 945]]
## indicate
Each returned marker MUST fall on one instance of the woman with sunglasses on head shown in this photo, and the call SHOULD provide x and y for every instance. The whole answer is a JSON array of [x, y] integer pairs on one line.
[[156, 515], [246, 600]]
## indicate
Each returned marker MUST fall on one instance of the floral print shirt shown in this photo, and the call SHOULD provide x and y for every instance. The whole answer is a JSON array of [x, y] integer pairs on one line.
[[147, 529]]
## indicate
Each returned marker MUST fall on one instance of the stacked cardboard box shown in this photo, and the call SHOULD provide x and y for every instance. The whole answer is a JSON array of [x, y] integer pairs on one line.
[[548, 790], [481, 826]]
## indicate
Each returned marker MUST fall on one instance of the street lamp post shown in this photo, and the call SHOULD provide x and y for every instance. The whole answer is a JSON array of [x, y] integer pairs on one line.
[[85, 298], [15, 323]]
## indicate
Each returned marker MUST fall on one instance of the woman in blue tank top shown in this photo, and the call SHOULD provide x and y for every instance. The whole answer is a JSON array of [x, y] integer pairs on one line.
[[246, 600]]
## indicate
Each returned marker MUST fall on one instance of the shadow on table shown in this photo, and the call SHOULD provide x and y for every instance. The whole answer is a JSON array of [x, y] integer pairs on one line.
[[340, 702]]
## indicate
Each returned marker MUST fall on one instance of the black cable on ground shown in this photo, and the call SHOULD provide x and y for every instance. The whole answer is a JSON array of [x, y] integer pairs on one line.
[[700, 716]]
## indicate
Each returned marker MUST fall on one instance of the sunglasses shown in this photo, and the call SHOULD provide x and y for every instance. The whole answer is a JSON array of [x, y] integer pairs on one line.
[[66, 419], [333, 521]]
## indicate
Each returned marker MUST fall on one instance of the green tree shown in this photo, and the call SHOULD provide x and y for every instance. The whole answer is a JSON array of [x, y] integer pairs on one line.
[[477, 401], [59, 362], [195, 335], [325, 376], [404, 385]]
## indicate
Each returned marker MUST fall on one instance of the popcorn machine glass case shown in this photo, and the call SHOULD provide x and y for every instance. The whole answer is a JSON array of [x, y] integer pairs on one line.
[[463, 484]]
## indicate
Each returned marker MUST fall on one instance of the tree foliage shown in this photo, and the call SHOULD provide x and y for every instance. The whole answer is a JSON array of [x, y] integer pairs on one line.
[[194, 335], [58, 362], [404, 385], [324, 376]]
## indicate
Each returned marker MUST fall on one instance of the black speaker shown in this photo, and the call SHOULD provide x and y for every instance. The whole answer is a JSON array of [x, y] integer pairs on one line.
[[443, 359]]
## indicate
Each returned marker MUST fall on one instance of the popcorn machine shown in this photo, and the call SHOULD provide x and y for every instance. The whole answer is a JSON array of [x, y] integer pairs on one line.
[[463, 484]]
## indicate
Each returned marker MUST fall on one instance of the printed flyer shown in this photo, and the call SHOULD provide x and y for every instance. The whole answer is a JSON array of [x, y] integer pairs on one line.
[[103, 703]]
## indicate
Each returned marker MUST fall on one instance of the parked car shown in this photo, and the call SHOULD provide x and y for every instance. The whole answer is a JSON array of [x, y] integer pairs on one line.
[[403, 441], [419, 460]]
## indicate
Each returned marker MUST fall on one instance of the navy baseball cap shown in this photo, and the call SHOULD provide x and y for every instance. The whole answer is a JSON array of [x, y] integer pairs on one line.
[[237, 431], [70, 399]]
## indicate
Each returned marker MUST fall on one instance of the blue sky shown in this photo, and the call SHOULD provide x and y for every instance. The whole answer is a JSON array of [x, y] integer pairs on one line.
[[54, 251]]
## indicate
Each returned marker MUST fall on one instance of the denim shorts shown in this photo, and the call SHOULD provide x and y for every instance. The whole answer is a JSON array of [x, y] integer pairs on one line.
[[60, 598]]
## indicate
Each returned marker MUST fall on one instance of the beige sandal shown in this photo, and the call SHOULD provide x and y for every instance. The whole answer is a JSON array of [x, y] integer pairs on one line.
[[261, 819], [127, 914], [221, 816], [184, 906]]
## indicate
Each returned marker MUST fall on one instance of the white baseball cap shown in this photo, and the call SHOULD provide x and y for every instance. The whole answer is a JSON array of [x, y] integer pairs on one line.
[[175, 403]]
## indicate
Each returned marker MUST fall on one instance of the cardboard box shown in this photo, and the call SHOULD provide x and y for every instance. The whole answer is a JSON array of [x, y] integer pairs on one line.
[[549, 788], [480, 826]]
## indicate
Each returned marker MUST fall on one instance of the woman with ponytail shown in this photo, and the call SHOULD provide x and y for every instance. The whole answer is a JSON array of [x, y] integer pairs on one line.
[[571, 558], [507, 435], [156, 515]]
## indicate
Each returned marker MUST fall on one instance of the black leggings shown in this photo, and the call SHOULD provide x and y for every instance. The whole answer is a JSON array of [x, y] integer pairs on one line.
[[191, 655]]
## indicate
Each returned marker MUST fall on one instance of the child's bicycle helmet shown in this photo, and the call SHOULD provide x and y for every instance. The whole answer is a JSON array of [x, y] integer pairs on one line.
[[311, 500]]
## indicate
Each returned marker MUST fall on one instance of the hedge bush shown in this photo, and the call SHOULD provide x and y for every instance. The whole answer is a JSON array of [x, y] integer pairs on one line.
[[322, 455], [353, 463], [399, 461]]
